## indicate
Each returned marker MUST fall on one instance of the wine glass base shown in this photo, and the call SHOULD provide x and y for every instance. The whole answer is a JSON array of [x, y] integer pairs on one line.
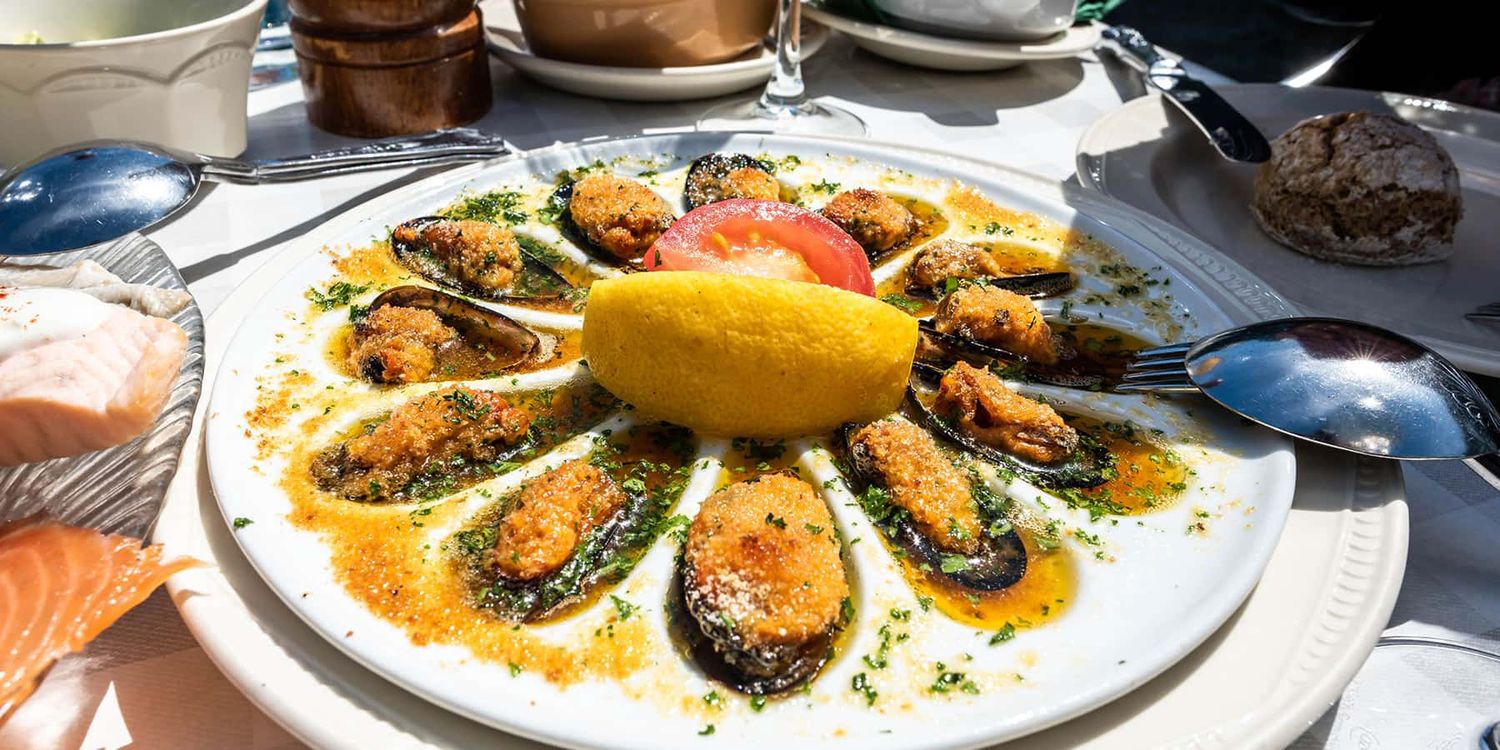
[[806, 118]]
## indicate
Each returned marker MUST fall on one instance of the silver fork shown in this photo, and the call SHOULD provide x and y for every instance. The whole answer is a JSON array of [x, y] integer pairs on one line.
[[1161, 369], [1485, 312]]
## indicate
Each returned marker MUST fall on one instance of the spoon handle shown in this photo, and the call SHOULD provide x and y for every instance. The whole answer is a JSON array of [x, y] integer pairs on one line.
[[440, 147]]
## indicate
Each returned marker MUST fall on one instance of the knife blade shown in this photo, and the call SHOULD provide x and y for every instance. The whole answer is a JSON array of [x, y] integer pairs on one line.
[[1231, 134]]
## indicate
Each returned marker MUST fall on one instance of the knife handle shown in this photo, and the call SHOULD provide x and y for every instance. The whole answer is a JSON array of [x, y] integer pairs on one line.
[[1132, 48]]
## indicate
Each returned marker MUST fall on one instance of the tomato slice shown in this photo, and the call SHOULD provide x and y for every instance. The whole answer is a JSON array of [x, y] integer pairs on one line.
[[762, 238]]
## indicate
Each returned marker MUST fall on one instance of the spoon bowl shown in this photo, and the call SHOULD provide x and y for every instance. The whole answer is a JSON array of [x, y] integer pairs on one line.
[[96, 192], [85, 196], [1347, 385]]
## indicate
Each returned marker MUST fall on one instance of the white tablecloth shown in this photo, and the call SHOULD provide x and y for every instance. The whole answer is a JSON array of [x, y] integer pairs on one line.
[[145, 683]]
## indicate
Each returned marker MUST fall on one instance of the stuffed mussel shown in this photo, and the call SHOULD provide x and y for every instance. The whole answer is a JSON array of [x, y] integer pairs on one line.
[[717, 177], [985, 325], [575, 528], [878, 222], [476, 258], [763, 587], [413, 334], [612, 218], [974, 409], [944, 266], [440, 439], [946, 520]]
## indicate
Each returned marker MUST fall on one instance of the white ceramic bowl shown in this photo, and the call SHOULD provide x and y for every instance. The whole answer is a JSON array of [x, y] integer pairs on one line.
[[1003, 20], [173, 72]]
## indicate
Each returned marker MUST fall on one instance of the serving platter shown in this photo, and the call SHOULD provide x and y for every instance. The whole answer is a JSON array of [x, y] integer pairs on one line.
[[1084, 658], [1260, 681], [1146, 154]]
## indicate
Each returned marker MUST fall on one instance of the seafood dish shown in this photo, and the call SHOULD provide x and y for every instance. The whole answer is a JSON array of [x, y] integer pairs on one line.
[[85, 361], [753, 439]]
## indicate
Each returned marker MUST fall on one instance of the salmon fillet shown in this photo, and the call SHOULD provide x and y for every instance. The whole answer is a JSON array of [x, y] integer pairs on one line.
[[60, 586], [86, 392]]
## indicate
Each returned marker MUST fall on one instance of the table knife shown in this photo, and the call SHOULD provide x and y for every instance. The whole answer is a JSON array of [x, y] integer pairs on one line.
[[1229, 131]]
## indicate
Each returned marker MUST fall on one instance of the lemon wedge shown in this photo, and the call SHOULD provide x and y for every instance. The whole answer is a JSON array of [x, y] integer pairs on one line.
[[745, 356]]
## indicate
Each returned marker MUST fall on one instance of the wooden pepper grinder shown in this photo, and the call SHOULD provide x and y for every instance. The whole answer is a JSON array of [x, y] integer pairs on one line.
[[374, 68]]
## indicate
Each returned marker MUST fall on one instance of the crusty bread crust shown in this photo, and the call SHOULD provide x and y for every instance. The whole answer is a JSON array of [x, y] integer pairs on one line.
[[1360, 188]]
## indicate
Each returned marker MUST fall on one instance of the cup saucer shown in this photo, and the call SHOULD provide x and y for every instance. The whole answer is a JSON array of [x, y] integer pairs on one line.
[[635, 84], [944, 53]]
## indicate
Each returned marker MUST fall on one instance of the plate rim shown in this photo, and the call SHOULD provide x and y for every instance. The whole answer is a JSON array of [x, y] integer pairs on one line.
[[1094, 144], [1072, 198], [1218, 270]]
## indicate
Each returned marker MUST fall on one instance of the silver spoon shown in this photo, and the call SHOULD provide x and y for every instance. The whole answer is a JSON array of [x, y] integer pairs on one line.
[[1339, 383], [97, 192]]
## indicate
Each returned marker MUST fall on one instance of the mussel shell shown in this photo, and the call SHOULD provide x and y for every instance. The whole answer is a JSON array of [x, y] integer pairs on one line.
[[714, 167], [512, 343], [561, 203], [537, 280], [723, 654], [542, 598], [1090, 465], [1069, 372], [999, 564], [1033, 285]]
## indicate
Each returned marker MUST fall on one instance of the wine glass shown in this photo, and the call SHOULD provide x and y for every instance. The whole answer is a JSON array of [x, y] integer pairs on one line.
[[784, 106]]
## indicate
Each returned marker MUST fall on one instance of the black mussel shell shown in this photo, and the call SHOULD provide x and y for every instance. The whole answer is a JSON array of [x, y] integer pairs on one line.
[[1069, 372], [722, 653], [999, 564], [560, 204], [540, 599], [537, 280], [1089, 466], [511, 343], [1033, 285], [706, 170]]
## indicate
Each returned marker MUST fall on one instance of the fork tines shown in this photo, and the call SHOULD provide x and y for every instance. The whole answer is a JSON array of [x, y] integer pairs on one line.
[[1160, 369]]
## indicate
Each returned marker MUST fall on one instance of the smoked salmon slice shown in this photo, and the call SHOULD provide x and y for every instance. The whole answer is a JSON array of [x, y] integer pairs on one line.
[[79, 375], [60, 586]]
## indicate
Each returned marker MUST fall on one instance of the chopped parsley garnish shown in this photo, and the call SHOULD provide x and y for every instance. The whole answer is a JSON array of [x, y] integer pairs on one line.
[[861, 684], [494, 206], [947, 681], [1005, 633], [624, 608], [774, 520], [901, 302], [339, 294], [464, 403], [241, 522], [706, 731], [757, 703], [954, 564]]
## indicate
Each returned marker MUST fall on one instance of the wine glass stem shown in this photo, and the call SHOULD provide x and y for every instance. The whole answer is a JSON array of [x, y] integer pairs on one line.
[[785, 91]]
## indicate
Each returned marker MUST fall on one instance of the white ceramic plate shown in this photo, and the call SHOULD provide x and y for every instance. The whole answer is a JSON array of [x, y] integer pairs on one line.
[[1161, 595], [945, 53], [1147, 155], [634, 84], [1259, 682]]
